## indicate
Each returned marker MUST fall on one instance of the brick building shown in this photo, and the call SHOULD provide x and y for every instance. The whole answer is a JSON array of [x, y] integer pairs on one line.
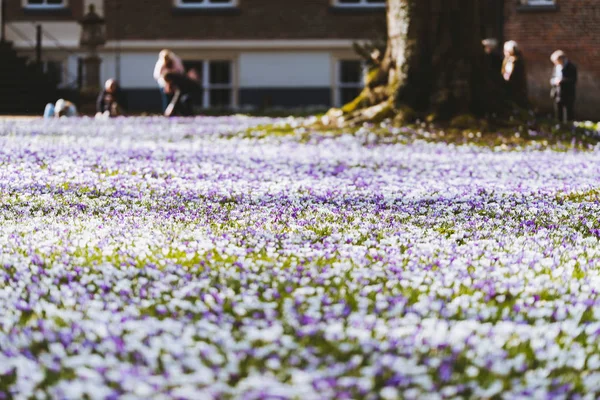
[[289, 53], [542, 26], [254, 53]]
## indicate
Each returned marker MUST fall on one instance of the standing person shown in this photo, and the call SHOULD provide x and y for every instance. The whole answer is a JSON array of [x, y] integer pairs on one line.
[[513, 72], [167, 62], [564, 82], [112, 102], [493, 58]]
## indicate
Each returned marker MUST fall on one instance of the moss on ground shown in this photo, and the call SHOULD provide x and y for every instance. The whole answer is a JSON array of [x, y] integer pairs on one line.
[[466, 130]]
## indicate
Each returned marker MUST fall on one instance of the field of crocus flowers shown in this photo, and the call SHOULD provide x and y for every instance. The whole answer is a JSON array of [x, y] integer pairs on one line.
[[197, 259]]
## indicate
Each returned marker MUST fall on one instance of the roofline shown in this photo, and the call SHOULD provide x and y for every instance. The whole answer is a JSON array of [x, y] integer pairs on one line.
[[269, 44], [156, 45]]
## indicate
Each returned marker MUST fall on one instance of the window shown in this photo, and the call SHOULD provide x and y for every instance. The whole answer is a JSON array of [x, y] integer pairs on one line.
[[533, 3], [359, 3], [537, 5], [219, 84], [206, 3], [350, 80], [215, 77], [45, 3]]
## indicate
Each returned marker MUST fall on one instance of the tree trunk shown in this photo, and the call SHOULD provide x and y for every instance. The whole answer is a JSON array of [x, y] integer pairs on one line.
[[436, 49], [434, 63]]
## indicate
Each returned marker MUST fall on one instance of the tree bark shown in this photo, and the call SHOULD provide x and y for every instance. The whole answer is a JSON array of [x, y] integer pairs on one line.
[[434, 62], [436, 48]]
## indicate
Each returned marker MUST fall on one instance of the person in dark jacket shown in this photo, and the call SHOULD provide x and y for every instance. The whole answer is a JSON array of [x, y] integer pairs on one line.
[[514, 74], [564, 82], [112, 101], [493, 58], [182, 88]]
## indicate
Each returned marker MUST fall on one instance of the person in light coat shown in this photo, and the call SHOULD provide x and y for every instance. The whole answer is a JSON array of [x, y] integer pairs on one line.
[[168, 62], [564, 82], [514, 74]]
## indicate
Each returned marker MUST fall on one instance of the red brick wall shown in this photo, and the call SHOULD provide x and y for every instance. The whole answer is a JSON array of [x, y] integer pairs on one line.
[[16, 12], [573, 28], [251, 20]]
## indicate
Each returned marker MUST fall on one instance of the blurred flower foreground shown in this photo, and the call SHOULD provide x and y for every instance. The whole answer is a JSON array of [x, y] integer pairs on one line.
[[189, 259]]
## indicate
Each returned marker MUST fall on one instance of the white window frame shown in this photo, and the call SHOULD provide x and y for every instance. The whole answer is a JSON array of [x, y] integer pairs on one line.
[[45, 5], [207, 86], [360, 4], [538, 3], [339, 85], [206, 4]]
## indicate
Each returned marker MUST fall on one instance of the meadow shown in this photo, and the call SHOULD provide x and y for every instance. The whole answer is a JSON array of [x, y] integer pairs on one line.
[[148, 258]]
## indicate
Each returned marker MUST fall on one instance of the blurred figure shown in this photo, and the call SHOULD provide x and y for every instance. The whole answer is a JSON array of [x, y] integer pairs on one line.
[[193, 74], [564, 82], [181, 88], [112, 102], [197, 95], [62, 108], [167, 62], [513, 72], [493, 57]]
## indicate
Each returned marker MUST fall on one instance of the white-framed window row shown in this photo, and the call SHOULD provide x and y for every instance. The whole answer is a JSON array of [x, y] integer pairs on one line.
[[216, 79], [350, 80], [538, 3], [206, 3], [44, 4], [359, 3]]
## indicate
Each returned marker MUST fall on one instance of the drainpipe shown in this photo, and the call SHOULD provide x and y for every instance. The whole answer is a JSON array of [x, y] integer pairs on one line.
[[38, 44], [79, 73], [117, 22]]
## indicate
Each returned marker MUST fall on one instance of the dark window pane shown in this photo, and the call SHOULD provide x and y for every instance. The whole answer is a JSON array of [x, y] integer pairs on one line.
[[219, 1], [220, 72], [348, 1], [351, 72], [55, 2], [220, 98], [348, 94], [192, 1], [376, 1], [35, 1]]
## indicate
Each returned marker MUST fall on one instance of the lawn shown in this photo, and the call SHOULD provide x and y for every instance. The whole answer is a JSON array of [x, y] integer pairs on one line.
[[204, 258]]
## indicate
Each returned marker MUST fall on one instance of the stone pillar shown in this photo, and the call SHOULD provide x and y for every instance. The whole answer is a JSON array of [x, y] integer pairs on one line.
[[91, 84], [98, 6], [93, 35], [91, 73]]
